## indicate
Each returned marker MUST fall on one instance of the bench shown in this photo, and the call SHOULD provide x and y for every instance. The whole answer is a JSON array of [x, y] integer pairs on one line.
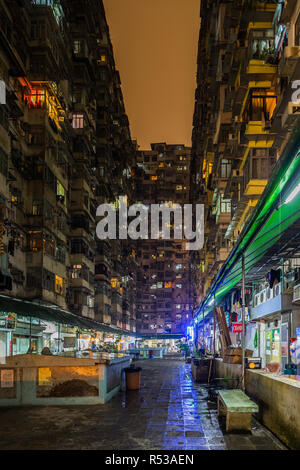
[[238, 409]]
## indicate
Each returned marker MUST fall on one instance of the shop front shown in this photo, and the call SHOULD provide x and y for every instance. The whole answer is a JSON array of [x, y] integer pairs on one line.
[[7, 326], [27, 336]]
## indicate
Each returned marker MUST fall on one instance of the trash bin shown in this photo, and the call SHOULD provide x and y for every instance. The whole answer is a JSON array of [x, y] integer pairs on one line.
[[133, 378]]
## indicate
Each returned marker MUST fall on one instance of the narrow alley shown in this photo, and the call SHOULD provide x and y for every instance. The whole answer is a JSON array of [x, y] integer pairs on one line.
[[170, 412]]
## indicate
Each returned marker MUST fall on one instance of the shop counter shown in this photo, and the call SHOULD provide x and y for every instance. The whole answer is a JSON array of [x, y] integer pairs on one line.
[[31, 379]]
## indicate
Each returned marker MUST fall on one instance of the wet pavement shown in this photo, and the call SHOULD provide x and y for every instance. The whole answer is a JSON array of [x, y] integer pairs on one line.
[[170, 412]]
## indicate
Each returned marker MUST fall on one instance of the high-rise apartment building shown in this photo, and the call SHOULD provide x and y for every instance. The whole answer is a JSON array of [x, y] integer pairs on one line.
[[163, 279], [65, 147], [246, 128]]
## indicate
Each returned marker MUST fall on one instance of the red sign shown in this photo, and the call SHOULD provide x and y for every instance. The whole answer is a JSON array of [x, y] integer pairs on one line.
[[237, 328]]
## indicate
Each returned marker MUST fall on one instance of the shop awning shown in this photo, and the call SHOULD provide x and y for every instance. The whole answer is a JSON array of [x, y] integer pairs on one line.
[[53, 313]]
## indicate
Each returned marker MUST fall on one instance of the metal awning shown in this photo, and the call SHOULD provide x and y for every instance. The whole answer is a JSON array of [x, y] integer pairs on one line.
[[53, 313]]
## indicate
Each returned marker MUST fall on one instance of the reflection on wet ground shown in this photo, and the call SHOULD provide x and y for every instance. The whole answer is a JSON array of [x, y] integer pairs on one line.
[[170, 412]]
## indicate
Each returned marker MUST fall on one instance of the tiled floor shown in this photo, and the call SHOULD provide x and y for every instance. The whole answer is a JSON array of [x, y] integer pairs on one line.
[[170, 412]]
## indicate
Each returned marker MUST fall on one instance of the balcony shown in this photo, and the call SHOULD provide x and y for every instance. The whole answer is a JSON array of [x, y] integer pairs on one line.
[[256, 172], [256, 129]]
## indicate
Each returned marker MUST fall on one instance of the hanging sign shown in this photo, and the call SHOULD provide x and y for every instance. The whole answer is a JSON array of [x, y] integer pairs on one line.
[[237, 328]]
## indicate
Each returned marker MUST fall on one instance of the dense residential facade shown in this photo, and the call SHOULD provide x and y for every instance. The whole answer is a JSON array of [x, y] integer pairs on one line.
[[65, 147], [245, 121], [163, 279]]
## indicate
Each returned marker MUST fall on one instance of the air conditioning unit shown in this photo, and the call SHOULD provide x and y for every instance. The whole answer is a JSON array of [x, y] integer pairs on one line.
[[277, 289], [263, 296], [257, 300], [296, 293], [269, 293]]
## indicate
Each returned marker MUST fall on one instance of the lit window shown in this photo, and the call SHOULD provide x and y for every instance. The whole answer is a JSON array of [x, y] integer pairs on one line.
[[76, 272], [154, 178], [179, 188], [59, 285], [77, 47], [78, 121], [179, 286], [178, 307], [35, 241], [114, 282], [61, 193], [36, 99]]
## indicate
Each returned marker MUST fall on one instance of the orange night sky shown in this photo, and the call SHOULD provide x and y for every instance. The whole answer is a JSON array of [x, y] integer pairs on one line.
[[155, 45]]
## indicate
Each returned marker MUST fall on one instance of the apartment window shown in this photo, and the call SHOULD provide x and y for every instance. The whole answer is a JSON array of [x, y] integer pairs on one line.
[[262, 105], [225, 168], [35, 241], [77, 47], [38, 30], [48, 280], [37, 208], [225, 206], [90, 301], [59, 285], [49, 246], [61, 254], [78, 121], [49, 177], [61, 193], [76, 271]]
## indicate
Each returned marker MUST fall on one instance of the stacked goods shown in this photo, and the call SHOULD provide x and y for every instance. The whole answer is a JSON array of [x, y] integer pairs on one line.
[[234, 355]]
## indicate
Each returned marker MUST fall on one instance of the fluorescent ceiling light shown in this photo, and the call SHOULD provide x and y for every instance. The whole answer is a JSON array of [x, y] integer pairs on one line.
[[293, 194]]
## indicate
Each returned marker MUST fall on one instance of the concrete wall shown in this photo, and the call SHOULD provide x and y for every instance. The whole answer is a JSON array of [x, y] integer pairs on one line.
[[279, 404], [34, 376], [223, 370], [278, 399]]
